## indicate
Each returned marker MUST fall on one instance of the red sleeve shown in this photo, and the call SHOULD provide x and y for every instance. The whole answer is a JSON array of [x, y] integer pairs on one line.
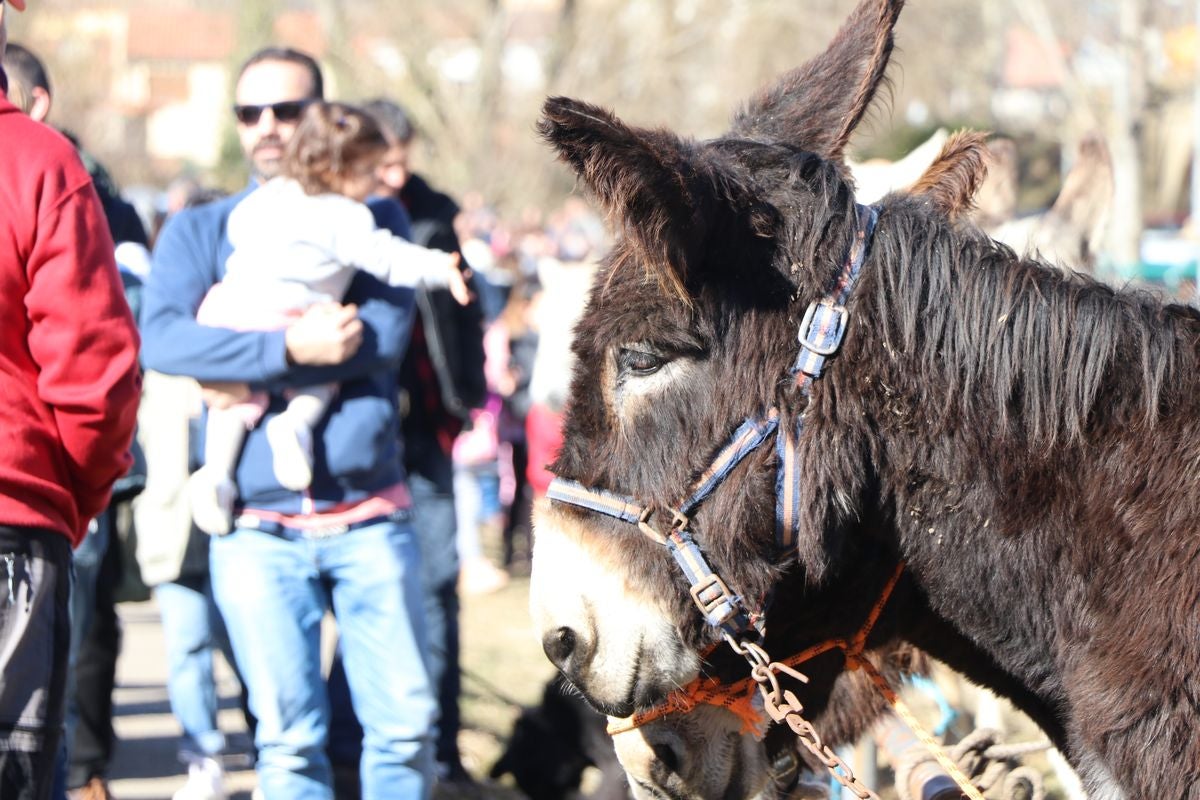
[[84, 341]]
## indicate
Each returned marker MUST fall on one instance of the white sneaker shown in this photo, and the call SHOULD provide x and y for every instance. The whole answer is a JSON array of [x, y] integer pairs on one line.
[[211, 495], [291, 451], [480, 576], [206, 781]]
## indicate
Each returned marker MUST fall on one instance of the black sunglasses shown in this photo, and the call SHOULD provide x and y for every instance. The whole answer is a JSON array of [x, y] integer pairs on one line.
[[287, 111]]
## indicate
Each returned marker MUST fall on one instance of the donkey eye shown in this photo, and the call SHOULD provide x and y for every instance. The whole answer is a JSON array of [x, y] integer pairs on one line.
[[639, 362]]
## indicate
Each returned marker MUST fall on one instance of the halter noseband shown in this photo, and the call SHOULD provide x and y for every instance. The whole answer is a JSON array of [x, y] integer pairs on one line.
[[820, 335]]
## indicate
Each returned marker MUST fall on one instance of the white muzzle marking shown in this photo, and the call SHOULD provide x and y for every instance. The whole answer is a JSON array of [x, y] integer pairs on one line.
[[625, 640]]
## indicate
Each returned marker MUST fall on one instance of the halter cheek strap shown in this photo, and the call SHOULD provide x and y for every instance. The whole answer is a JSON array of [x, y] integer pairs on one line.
[[819, 336], [722, 608], [824, 322]]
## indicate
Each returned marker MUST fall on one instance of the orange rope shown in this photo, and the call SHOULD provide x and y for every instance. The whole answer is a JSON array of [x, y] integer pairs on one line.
[[740, 697]]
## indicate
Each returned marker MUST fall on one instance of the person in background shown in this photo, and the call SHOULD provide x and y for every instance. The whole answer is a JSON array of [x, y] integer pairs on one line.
[[96, 632], [31, 89], [347, 542], [68, 405], [442, 380], [513, 383], [553, 311]]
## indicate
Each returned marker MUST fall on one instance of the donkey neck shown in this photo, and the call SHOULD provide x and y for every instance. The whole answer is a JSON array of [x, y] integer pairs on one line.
[[1033, 431]]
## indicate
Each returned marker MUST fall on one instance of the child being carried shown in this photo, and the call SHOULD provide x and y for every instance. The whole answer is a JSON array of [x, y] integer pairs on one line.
[[298, 242]]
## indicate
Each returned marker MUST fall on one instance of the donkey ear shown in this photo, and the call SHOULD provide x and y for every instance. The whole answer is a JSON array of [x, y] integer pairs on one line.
[[637, 175], [951, 181], [818, 105]]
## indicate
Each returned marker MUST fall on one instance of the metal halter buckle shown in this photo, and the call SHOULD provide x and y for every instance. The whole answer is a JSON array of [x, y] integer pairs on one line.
[[722, 596], [805, 332]]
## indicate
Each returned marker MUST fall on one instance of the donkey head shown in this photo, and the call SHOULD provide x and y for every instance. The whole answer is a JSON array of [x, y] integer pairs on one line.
[[691, 329]]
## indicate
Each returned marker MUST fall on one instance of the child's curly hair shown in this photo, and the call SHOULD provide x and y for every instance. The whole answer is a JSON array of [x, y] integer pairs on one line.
[[332, 140]]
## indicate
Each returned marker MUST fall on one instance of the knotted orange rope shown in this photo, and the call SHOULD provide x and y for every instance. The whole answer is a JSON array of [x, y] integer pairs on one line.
[[741, 698]]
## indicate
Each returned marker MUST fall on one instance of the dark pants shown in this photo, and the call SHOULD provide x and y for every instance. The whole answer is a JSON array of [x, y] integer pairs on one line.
[[520, 511], [96, 668], [433, 504], [431, 481], [35, 637]]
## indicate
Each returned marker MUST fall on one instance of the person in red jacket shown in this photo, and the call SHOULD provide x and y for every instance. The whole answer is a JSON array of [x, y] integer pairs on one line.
[[69, 391]]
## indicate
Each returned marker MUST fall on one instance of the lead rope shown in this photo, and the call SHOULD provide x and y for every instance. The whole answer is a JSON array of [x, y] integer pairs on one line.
[[790, 711], [902, 710], [766, 673]]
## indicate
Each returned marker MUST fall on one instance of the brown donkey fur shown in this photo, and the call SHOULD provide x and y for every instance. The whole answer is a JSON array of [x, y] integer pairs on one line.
[[1024, 439]]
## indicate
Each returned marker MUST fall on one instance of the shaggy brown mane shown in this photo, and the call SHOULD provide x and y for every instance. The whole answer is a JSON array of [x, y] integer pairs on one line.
[[1018, 350]]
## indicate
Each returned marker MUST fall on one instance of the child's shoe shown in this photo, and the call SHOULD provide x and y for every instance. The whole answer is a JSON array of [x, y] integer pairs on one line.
[[211, 495], [206, 780], [291, 449]]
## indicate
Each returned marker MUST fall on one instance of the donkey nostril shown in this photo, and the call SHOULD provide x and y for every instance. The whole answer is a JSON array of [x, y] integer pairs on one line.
[[667, 756], [559, 644]]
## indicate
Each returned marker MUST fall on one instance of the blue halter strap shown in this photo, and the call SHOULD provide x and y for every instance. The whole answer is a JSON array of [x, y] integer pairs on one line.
[[721, 607], [820, 336]]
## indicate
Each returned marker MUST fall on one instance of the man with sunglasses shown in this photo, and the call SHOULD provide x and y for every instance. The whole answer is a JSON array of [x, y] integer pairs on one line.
[[346, 542], [68, 401]]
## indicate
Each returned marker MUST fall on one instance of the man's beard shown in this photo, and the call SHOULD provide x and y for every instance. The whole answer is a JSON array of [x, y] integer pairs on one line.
[[267, 167]]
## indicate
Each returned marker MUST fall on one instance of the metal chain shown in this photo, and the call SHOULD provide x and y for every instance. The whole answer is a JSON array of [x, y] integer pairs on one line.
[[766, 673]]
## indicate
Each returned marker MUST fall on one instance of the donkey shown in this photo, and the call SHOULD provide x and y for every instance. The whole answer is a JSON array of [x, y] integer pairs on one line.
[[1070, 231], [1023, 440]]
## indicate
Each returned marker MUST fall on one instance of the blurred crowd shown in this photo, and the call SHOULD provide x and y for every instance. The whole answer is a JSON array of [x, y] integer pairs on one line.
[[347, 391]]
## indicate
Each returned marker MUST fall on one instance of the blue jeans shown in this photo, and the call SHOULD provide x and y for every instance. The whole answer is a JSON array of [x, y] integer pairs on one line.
[[476, 497], [431, 481], [433, 502], [87, 558], [273, 591], [192, 632]]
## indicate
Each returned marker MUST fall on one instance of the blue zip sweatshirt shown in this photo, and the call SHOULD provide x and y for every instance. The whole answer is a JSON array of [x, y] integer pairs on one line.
[[356, 449]]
